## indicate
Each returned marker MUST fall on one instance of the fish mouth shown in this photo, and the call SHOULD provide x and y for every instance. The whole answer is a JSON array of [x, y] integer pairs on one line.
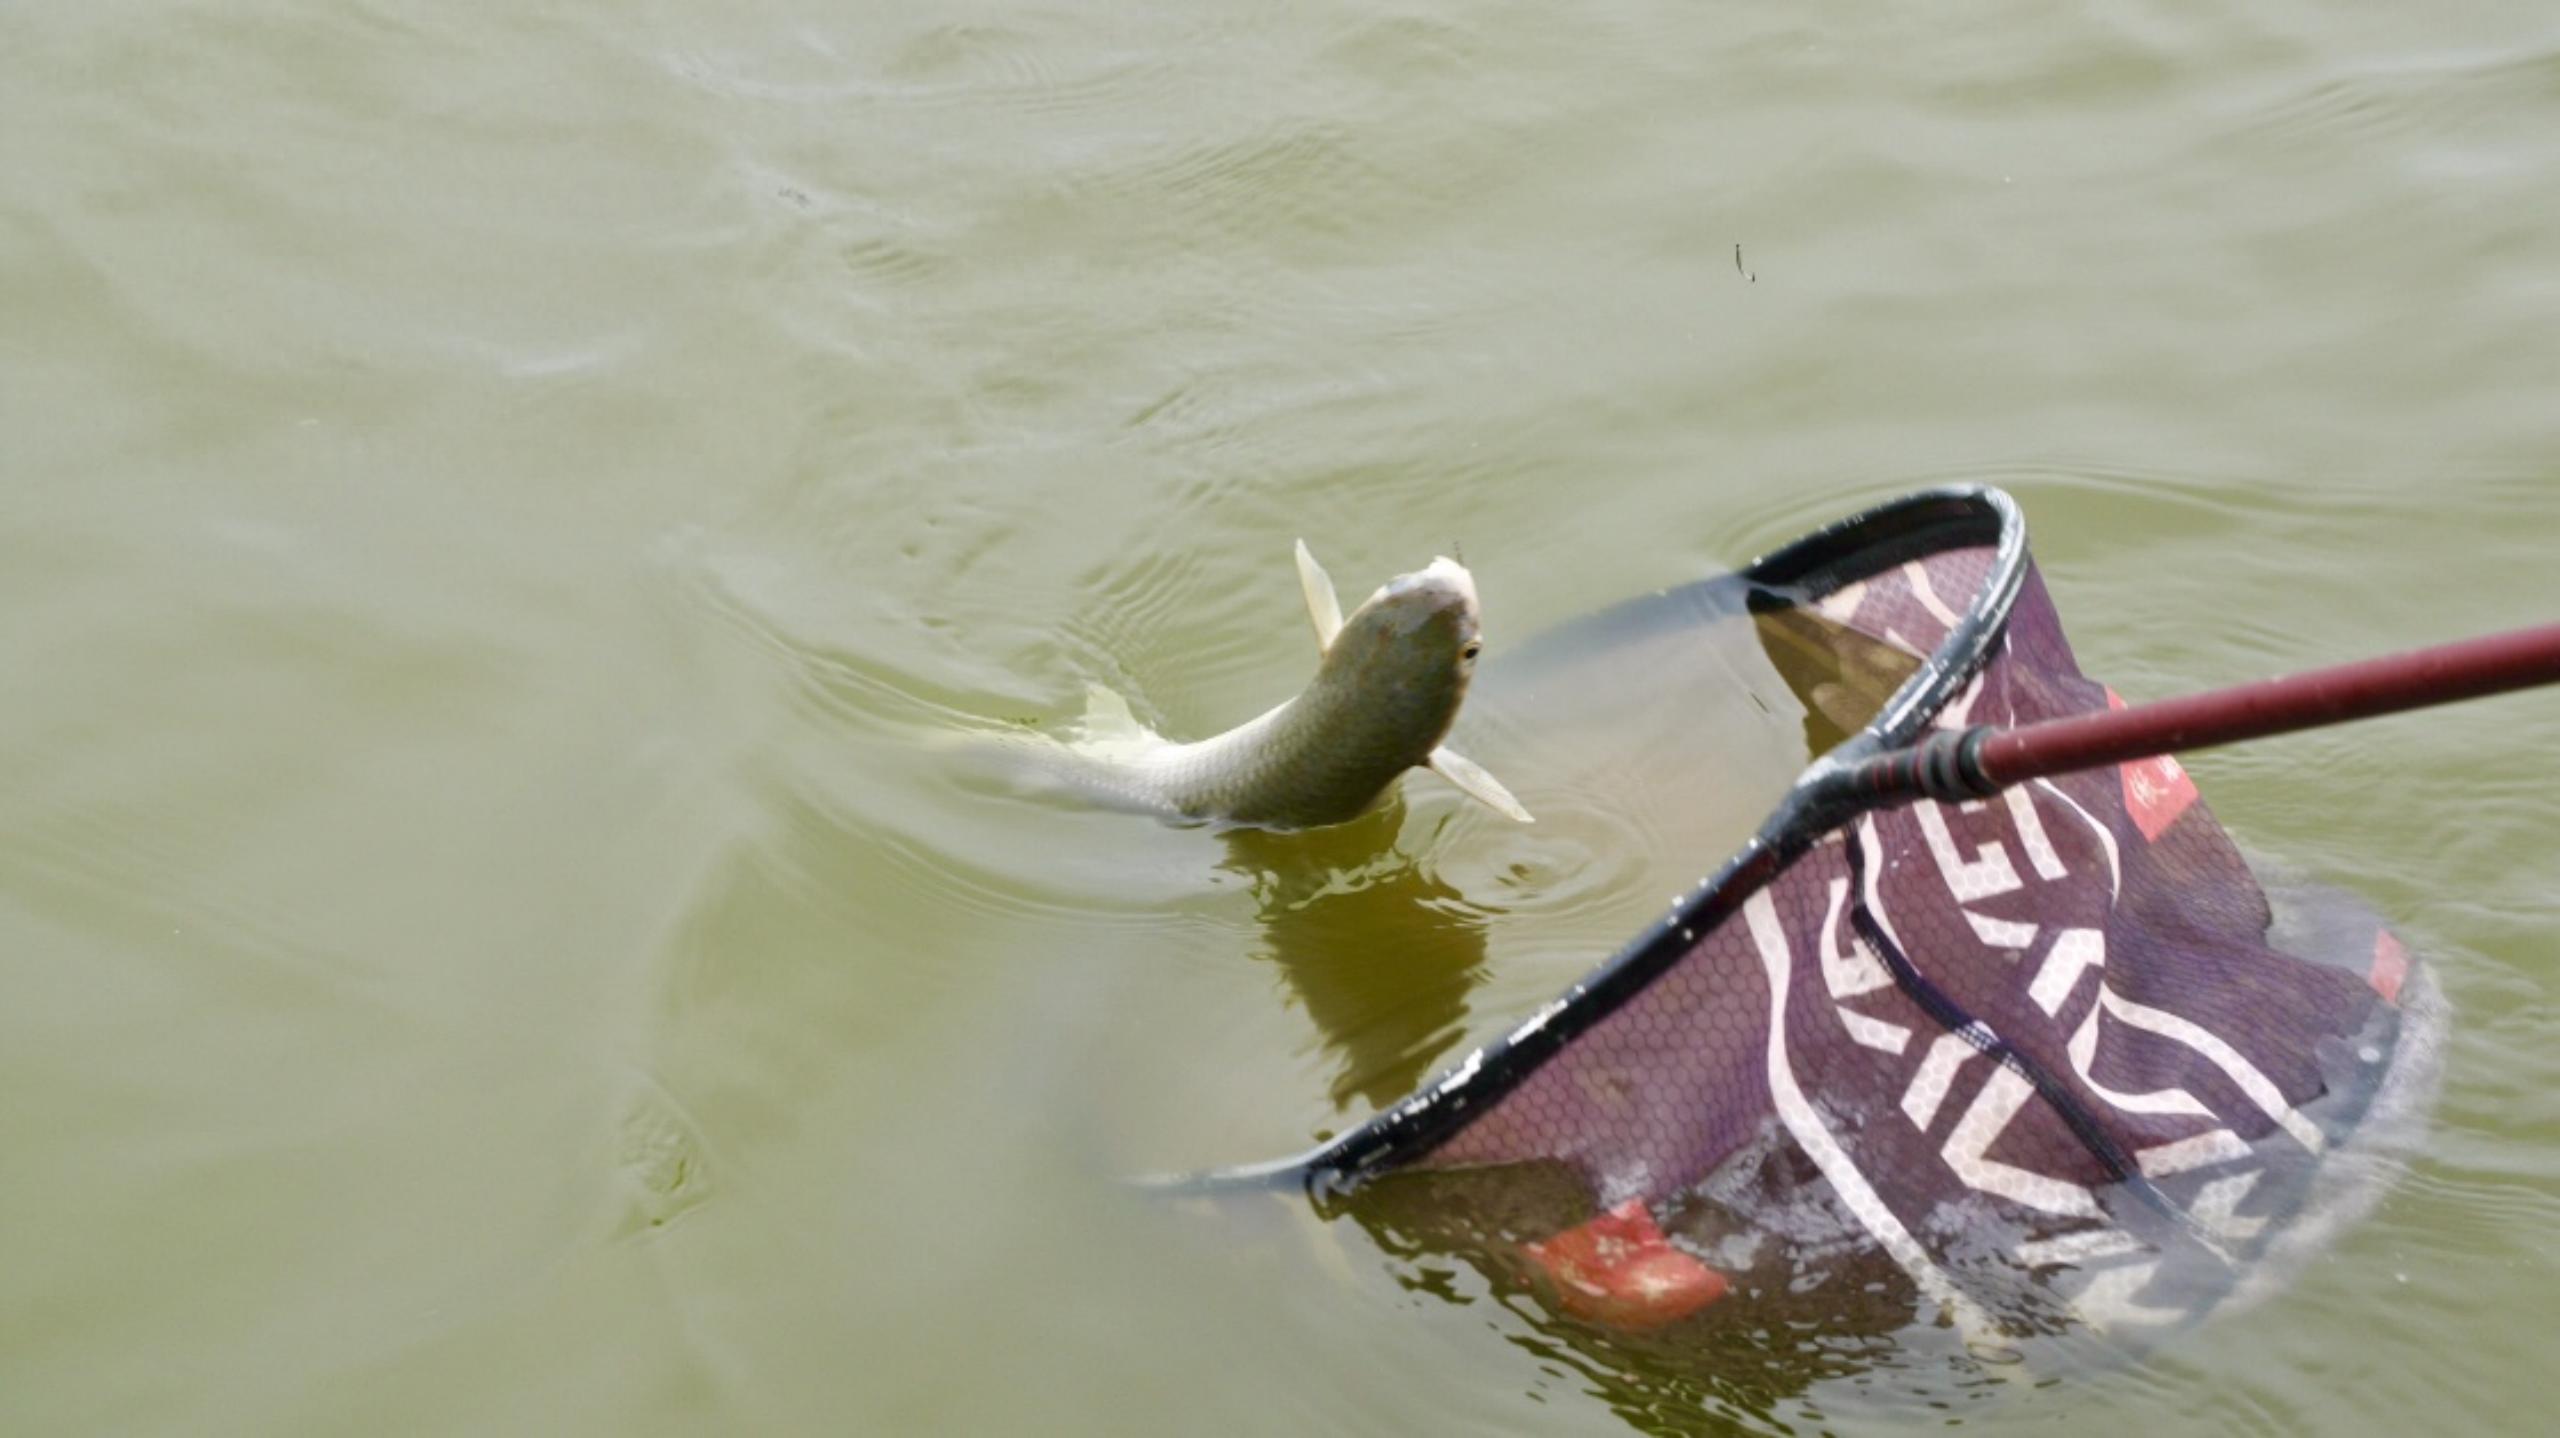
[[1441, 587]]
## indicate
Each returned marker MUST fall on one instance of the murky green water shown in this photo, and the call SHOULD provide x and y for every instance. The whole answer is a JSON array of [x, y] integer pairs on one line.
[[495, 494]]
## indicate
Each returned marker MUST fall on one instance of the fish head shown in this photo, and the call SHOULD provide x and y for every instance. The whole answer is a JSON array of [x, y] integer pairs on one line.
[[1408, 652]]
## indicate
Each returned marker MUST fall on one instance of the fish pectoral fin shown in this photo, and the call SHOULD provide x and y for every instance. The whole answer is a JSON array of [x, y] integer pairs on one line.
[[1472, 780], [1322, 607]]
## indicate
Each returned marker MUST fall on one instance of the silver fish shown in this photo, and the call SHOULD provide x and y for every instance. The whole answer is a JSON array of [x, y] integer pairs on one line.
[[1385, 692]]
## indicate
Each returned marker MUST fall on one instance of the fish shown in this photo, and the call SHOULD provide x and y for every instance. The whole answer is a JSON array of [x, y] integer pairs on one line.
[[1389, 680]]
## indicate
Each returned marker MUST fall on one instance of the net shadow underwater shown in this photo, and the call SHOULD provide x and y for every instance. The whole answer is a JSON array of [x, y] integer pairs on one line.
[[2046, 1077]]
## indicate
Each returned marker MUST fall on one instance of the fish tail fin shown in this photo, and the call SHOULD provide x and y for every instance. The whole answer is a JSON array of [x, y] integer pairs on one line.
[[1107, 716]]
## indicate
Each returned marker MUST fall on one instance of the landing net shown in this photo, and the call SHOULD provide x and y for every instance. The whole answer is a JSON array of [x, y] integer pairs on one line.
[[2054, 1055]]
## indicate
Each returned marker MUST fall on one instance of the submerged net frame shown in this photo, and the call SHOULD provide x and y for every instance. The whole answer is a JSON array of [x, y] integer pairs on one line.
[[2059, 1035]]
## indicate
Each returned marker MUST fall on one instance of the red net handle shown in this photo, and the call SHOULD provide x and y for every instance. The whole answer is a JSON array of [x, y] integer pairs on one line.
[[1981, 761], [2443, 674]]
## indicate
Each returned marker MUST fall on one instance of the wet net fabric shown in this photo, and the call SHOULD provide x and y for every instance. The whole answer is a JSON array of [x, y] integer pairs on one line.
[[2058, 1043]]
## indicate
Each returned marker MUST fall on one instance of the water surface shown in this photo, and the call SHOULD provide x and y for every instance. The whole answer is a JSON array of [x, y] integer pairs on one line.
[[494, 497]]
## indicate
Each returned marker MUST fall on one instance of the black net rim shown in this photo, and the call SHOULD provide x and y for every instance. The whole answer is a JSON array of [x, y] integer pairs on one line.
[[1802, 572]]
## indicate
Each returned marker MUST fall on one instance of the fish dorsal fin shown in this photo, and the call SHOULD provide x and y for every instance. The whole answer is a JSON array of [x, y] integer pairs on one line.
[[1472, 780], [1322, 608], [1107, 716]]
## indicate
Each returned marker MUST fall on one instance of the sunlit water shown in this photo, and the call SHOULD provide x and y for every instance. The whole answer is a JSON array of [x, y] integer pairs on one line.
[[499, 498]]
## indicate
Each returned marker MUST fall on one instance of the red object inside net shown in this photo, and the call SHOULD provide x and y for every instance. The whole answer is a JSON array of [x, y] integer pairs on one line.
[[1620, 1270]]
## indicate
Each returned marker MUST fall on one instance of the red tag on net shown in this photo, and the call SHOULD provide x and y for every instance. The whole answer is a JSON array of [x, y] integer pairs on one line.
[[2390, 966], [1618, 1269], [2156, 790]]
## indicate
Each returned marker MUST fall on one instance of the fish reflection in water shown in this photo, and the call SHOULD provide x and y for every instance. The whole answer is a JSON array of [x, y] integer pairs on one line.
[[1378, 948]]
